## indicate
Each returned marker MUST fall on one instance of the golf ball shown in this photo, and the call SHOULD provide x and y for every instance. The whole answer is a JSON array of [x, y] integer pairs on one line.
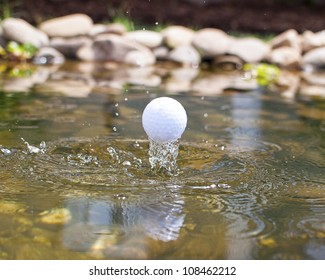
[[164, 120]]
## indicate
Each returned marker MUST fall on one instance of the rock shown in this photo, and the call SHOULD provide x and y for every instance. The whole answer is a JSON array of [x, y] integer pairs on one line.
[[67, 26], [289, 38], [186, 55], [110, 47], [211, 42], [288, 84], [115, 28], [48, 55], [69, 46], [288, 57], [315, 57], [174, 36], [20, 31], [161, 53], [311, 40], [150, 39], [140, 58], [249, 49]]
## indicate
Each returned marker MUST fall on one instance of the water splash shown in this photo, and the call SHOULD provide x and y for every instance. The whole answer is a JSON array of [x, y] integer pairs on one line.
[[33, 149], [162, 156]]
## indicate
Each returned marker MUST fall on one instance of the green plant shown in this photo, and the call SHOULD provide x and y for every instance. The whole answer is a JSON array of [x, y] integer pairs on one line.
[[265, 74], [18, 52]]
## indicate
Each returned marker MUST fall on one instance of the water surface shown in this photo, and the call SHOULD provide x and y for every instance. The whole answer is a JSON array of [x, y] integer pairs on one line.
[[76, 181]]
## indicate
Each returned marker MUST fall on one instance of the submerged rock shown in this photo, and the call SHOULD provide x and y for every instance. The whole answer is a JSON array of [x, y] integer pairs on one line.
[[19, 30], [67, 26]]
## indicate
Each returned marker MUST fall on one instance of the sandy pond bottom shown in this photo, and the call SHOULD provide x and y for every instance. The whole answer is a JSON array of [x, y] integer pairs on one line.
[[249, 182]]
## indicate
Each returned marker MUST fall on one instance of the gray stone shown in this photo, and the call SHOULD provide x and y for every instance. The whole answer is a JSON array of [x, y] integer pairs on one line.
[[150, 39], [48, 55], [288, 57], [186, 55], [110, 47], [20, 31], [211, 42], [175, 36], [249, 49], [315, 57], [67, 26], [289, 38], [69, 46], [311, 40]]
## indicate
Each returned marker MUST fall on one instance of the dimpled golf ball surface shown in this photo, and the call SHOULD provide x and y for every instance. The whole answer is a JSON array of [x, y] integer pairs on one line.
[[164, 120]]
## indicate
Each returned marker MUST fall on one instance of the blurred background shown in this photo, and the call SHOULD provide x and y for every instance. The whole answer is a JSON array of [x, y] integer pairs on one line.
[[267, 16]]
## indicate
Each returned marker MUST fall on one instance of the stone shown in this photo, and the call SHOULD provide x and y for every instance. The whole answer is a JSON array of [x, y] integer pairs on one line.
[[161, 53], [21, 31], [115, 28], [315, 57], [211, 42], [174, 36], [150, 39], [186, 55], [311, 40], [139, 58], [111, 47], [288, 57], [251, 50], [289, 38], [69, 46], [48, 55], [180, 79], [67, 26]]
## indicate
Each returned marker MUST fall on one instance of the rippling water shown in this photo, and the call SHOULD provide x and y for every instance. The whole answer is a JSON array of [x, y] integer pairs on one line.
[[76, 181]]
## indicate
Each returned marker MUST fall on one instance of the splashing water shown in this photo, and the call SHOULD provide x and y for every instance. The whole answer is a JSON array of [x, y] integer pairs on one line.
[[162, 156], [33, 149]]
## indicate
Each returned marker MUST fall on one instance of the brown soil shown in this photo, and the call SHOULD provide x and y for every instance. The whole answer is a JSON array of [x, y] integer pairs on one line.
[[231, 15]]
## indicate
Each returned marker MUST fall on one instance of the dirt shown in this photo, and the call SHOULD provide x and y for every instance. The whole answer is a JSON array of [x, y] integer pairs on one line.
[[263, 16]]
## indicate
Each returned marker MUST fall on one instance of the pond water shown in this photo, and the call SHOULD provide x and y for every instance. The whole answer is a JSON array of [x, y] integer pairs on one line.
[[76, 182]]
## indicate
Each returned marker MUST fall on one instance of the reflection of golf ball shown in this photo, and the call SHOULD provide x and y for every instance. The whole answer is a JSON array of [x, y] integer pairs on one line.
[[164, 120]]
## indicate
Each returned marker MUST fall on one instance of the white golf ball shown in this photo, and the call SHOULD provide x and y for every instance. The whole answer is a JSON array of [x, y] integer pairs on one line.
[[164, 120]]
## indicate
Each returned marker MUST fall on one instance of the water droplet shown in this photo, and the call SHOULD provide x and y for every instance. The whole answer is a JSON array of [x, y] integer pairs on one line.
[[222, 148], [117, 114], [114, 128], [125, 99], [143, 28], [202, 97], [246, 76], [116, 105], [156, 23], [205, 115]]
